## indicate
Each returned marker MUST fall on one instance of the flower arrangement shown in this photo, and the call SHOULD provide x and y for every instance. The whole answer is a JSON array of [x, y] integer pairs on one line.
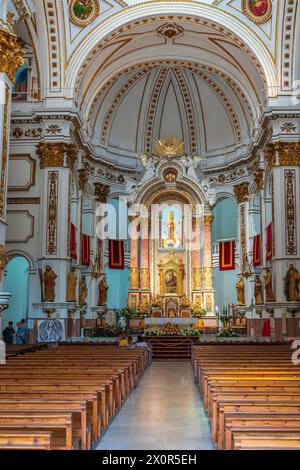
[[126, 312], [185, 302], [198, 310], [227, 333], [172, 330]]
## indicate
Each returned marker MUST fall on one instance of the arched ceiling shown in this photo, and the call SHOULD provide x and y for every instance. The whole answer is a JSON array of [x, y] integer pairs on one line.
[[157, 79]]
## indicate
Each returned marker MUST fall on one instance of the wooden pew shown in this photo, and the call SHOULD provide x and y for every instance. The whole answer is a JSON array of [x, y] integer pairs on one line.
[[25, 440]]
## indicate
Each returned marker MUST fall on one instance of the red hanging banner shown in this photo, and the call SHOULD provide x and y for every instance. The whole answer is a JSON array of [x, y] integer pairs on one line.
[[85, 250], [73, 252], [227, 256], [269, 247], [116, 254], [257, 258]]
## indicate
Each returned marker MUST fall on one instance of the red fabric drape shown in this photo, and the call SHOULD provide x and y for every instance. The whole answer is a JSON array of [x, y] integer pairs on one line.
[[269, 248], [257, 257], [116, 254], [266, 329], [73, 252], [85, 250], [227, 256]]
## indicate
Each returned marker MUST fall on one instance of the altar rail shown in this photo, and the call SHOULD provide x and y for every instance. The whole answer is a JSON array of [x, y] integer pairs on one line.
[[171, 347]]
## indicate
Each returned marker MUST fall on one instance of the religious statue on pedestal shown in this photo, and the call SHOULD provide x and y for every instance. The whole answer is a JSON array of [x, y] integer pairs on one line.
[[103, 288], [49, 283], [240, 288], [292, 284], [258, 291], [268, 278], [72, 284], [83, 291]]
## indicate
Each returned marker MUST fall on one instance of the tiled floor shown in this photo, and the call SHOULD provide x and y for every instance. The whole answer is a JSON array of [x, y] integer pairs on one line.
[[163, 412]]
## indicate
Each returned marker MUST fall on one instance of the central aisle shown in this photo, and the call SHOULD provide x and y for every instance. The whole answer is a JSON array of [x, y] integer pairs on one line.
[[163, 412]]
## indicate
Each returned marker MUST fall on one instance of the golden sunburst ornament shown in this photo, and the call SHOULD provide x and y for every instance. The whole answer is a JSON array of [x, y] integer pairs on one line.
[[169, 147]]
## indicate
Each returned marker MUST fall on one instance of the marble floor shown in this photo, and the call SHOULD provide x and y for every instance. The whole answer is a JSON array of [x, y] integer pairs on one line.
[[163, 412]]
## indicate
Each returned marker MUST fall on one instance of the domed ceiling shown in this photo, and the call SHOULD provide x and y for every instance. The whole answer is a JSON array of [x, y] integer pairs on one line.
[[157, 79]]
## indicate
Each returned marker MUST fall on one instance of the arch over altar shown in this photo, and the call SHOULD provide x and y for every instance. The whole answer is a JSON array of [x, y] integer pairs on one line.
[[171, 262]]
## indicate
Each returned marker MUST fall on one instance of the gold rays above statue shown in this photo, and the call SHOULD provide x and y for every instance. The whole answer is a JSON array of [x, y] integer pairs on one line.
[[169, 147]]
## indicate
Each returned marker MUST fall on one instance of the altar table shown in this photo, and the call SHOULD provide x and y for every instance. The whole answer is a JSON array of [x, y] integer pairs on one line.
[[174, 321]]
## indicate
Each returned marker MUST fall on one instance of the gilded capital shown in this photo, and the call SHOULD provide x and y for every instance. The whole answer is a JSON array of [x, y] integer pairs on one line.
[[11, 54], [83, 176], [283, 154], [241, 192], [208, 219], [53, 154], [258, 176], [101, 192]]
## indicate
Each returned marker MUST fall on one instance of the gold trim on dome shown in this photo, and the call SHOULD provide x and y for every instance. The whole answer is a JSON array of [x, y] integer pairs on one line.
[[169, 147], [257, 19], [84, 20], [11, 54]]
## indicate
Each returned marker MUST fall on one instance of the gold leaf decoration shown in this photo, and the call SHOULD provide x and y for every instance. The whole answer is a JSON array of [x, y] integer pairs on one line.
[[169, 147]]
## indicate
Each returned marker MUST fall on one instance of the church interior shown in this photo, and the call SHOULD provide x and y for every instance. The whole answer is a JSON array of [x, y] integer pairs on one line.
[[149, 224]]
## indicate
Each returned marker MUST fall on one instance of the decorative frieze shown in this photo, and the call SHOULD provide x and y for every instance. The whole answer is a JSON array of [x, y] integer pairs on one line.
[[290, 212], [52, 212], [241, 192], [11, 54]]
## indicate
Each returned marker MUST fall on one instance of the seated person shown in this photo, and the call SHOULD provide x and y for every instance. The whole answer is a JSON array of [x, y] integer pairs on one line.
[[21, 333], [9, 333], [122, 340], [130, 343], [141, 343]]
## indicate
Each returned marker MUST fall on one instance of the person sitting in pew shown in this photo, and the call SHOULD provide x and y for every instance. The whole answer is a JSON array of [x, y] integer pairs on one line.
[[9, 333], [130, 343], [122, 340], [141, 343]]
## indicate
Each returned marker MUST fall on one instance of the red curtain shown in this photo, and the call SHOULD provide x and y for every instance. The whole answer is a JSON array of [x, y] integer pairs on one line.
[[227, 255], [85, 250], [116, 254], [269, 254], [257, 257], [266, 329], [73, 252]]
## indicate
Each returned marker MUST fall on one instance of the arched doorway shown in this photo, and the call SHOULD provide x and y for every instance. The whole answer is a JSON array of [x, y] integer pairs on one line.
[[17, 283]]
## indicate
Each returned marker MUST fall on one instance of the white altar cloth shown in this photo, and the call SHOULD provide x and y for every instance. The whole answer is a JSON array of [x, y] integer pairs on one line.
[[174, 321]]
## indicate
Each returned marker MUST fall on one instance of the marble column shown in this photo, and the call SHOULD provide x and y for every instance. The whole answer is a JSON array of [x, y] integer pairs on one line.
[[196, 258], [133, 295], [56, 163], [11, 59], [207, 272]]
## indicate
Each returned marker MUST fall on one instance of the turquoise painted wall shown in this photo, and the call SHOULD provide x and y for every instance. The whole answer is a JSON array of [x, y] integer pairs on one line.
[[118, 280], [224, 228], [16, 282]]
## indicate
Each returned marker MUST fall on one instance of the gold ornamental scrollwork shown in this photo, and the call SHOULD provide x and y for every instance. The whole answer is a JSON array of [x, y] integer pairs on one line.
[[197, 278], [101, 192], [241, 192], [207, 278], [3, 176], [134, 278], [52, 212], [3, 261], [283, 154], [145, 278], [55, 155], [11, 54], [83, 176], [208, 219]]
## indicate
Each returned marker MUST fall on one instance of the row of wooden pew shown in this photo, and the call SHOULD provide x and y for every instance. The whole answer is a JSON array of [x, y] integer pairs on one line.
[[251, 394], [65, 397]]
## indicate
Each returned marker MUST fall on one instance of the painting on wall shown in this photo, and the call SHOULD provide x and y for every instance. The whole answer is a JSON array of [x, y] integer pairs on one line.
[[171, 227], [51, 331], [83, 12], [259, 11]]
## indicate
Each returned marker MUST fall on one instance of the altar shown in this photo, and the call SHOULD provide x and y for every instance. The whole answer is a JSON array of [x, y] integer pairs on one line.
[[174, 321], [171, 273]]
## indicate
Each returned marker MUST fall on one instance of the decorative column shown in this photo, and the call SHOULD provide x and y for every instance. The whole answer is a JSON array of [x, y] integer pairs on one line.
[[133, 294], [241, 192], [196, 262], [207, 272], [284, 163], [10, 60], [56, 163]]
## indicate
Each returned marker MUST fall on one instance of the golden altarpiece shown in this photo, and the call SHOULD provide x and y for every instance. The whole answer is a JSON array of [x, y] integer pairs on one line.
[[171, 260]]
